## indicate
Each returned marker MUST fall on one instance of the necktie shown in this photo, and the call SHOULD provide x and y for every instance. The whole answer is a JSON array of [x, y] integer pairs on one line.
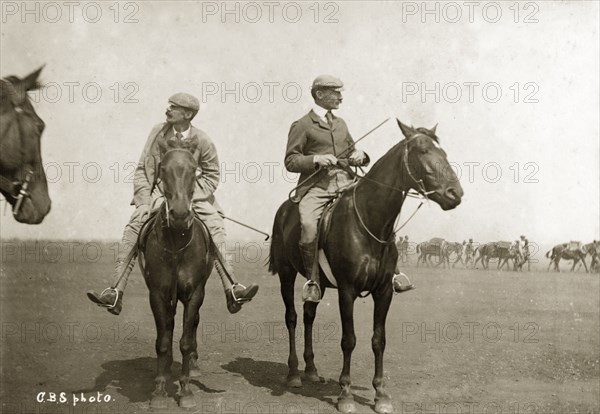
[[329, 117], [179, 135]]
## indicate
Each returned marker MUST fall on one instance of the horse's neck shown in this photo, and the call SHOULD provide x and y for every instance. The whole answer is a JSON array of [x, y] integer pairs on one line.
[[379, 197]]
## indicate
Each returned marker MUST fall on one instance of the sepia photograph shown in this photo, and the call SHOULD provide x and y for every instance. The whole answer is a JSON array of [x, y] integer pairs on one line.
[[300, 207]]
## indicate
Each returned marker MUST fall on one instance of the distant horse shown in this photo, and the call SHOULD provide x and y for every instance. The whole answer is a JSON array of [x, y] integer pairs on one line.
[[503, 251], [176, 260], [434, 247], [593, 249], [567, 251], [22, 177], [360, 250], [451, 248]]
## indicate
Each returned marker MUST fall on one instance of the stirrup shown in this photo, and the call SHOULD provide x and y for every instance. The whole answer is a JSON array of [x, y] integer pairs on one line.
[[305, 290], [402, 288], [104, 305], [235, 298]]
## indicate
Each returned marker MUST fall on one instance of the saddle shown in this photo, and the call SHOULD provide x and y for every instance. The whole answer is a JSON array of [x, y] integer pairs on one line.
[[323, 231], [574, 245]]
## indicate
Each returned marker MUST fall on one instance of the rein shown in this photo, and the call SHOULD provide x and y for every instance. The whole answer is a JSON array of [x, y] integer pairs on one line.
[[192, 233], [422, 193], [16, 189]]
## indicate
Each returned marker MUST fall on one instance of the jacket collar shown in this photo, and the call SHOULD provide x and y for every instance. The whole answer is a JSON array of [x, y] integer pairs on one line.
[[318, 120]]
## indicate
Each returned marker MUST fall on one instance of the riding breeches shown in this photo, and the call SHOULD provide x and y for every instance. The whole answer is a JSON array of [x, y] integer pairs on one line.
[[313, 203], [208, 213]]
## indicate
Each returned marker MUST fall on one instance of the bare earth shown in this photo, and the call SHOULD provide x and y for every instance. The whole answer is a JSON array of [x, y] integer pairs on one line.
[[465, 341]]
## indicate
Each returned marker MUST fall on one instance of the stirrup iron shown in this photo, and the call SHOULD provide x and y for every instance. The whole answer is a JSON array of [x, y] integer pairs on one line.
[[103, 305], [403, 288], [235, 298]]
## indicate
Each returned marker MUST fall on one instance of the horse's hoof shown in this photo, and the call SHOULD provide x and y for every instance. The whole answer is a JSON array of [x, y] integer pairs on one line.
[[187, 401], [312, 376], [384, 406], [294, 381], [346, 405], [158, 403]]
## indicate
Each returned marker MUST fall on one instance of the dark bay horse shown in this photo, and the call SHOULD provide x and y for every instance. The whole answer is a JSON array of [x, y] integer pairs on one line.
[[176, 261], [567, 251], [361, 251], [22, 177]]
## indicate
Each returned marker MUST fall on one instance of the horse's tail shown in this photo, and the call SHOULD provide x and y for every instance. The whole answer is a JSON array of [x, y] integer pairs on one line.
[[419, 248], [548, 253], [276, 240]]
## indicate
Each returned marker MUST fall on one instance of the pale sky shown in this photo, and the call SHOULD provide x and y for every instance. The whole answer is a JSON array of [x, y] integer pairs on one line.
[[533, 150]]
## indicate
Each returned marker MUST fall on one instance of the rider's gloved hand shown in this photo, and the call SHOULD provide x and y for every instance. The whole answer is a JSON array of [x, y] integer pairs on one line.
[[325, 160], [143, 211], [357, 158]]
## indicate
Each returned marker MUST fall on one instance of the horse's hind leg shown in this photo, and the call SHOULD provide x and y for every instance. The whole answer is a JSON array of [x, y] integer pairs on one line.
[[189, 346], [287, 277], [310, 311], [346, 303], [382, 300], [164, 319]]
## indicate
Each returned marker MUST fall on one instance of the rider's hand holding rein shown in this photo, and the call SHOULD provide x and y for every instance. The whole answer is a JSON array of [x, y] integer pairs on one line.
[[325, 160], [357, 158]]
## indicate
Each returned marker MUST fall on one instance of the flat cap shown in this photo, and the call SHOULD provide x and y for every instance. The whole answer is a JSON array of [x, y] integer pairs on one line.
[[185, 100], [327, 81]]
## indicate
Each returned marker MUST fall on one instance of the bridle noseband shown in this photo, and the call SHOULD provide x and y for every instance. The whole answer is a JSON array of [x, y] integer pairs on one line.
[[18, 190]]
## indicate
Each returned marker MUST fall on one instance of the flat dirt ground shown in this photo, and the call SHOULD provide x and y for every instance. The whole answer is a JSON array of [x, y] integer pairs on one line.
[[465, 341]]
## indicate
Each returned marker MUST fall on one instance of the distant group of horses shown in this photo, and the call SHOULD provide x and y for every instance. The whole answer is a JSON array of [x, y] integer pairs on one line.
[[503, 252]]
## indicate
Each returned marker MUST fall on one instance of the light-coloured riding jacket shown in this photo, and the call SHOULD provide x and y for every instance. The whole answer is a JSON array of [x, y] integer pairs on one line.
[[145, 176]]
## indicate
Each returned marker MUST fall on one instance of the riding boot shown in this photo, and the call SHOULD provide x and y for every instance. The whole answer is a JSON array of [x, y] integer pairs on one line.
[[111, 298], [236, 294], [311, 291]]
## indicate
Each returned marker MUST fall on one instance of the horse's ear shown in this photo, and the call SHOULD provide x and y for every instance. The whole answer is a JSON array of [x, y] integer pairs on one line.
[[433, 129], [30, 81], [406, 130]]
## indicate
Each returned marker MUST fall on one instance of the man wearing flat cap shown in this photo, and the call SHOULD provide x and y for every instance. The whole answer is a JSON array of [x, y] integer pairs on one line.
[[177, 131], [314, 143]]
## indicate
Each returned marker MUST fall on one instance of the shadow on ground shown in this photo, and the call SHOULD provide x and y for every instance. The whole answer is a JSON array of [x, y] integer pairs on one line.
[[271, 375], [134, 379]]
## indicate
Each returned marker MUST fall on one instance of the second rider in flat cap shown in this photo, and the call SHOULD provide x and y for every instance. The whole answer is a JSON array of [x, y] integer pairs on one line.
[[316, 141], [176, 131]]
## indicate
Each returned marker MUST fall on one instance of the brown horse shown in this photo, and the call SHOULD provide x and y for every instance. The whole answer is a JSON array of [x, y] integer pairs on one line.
[[22, 178], [176, 260], [503, 251], [453, 248], [360, 249], [567, 251]]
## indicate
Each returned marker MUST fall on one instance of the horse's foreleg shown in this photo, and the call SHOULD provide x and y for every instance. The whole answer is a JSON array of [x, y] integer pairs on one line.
[[383, 401], [164, 320], [346, 303], [310, 311], [287, 277], [188, 347]]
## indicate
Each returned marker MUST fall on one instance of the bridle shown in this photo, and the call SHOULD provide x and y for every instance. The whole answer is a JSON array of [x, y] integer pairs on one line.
[[168, 220], [168, 225], [421, 192], [18, 190]]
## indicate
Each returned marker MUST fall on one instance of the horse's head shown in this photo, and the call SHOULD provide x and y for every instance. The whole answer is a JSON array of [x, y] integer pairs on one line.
[[428, 169], [22, 178], [178, 175]]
